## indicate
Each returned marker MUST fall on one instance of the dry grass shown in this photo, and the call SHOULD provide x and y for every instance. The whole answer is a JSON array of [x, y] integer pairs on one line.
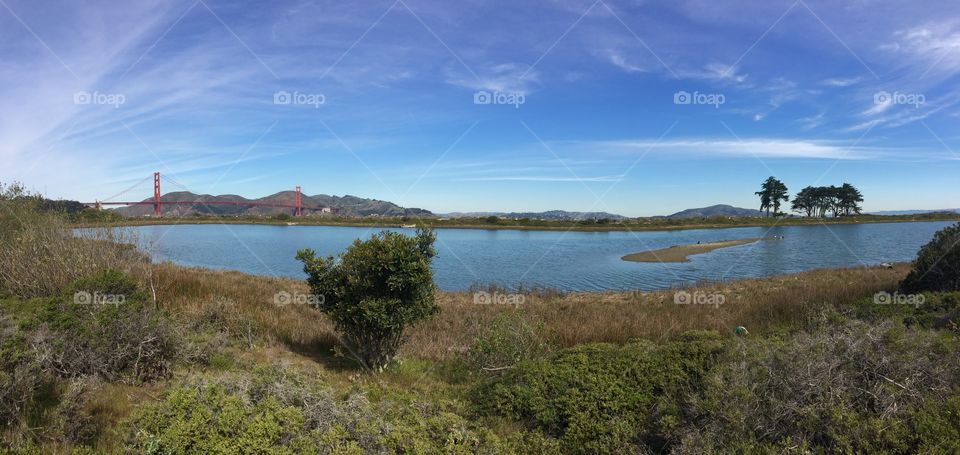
[[40, 256], [758, 304], [245, 304]]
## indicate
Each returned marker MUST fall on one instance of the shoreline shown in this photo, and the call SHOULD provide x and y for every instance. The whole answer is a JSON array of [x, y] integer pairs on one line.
[[492, 227]]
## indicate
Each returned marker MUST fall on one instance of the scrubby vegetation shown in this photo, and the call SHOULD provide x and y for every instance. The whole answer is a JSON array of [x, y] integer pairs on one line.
[[850, 387], [501, 343], [198, 361], [603, 398], [274, 410], [120, 338], [57, 352], [937, 267]]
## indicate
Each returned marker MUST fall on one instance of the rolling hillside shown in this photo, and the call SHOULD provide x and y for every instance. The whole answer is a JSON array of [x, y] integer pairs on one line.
[[716, 210], [345, 205]]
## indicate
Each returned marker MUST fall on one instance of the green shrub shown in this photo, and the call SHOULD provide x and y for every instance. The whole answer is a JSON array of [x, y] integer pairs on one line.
[[508, 339], [109, 282], [937, 311], [92, 215], [603, 398], [277, 411], [21, 377], [376, 289], [73, 420], [937, 267], [105, 328], [935, 426], [211, 421], [851, 388], [31, 399]]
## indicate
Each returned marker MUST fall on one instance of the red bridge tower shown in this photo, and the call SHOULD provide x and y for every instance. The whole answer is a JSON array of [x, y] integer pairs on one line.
[[156, 194], [299, 203]]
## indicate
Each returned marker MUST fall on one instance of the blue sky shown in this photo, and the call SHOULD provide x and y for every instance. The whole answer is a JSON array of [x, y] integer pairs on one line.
[[633, 107]]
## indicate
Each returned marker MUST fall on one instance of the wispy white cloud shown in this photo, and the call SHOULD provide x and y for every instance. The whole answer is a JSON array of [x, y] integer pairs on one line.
[[537, 178], [812, 121], [621, 62], [842, 82], [879, 106], [933, 47], [725, 148], [895, 109], [504, 77], [715, 72]]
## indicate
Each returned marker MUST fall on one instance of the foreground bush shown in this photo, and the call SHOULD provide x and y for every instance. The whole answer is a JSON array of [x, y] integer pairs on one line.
[[21, 377], [105, 328], [603, 398], [937, 267], [37, 407], [937, 311], [376, 289], [274, 411], [851, 388], [500, 344]]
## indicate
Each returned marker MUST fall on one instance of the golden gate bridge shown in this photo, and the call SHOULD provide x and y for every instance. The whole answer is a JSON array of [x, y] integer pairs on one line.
[[157, 201]]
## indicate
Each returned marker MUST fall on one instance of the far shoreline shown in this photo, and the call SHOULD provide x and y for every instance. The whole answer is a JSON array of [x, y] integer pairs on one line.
[[736, 223]]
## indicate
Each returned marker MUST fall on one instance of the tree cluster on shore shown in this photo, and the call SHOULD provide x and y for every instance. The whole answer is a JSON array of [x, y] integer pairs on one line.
[[772, 193], [818, 201], [812, 201]]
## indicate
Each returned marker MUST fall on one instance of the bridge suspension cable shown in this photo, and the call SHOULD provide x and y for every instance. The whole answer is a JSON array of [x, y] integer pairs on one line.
[[126, 190], [175, 183]]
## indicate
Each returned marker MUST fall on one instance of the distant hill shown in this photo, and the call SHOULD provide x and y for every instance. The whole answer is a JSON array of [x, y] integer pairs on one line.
[[913, 212], [548, 215], [346, 205], [716, 210]]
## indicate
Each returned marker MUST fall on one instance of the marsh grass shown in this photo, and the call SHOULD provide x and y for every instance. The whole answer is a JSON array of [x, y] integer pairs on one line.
[[40, 255], [246, 303]]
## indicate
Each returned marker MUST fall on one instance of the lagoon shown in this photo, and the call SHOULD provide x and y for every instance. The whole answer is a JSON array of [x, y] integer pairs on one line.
[[568, 261]]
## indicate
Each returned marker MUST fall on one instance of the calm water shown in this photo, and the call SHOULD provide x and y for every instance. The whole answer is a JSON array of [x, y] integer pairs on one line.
[[586, 261]]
